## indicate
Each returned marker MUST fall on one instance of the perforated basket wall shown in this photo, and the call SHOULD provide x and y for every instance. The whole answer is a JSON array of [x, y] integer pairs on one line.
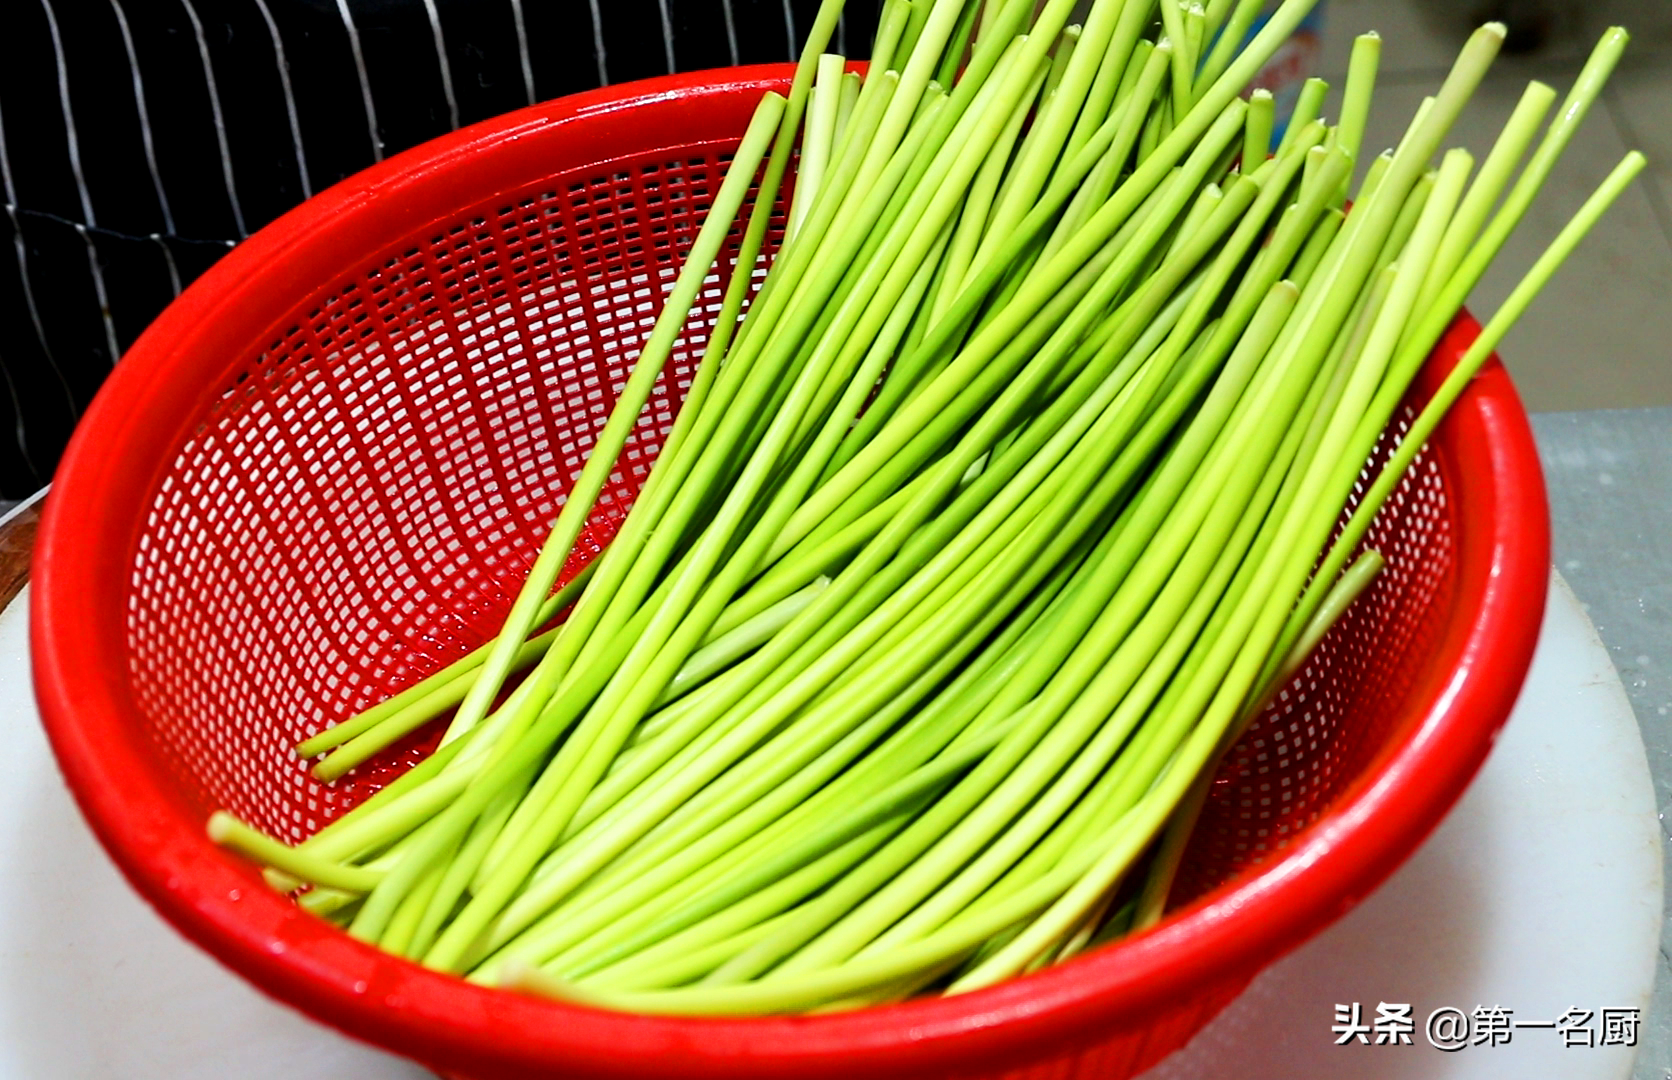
[[1323, 730], [325, 471], [358, 507]]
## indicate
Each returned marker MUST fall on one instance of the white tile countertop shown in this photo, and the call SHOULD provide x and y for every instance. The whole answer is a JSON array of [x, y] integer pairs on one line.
[[1610, 482]]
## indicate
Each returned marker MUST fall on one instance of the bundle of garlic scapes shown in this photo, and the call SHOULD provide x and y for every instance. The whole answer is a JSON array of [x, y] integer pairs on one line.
[[978, 536]]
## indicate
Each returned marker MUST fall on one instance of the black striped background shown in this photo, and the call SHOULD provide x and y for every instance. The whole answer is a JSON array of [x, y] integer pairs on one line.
[[140, 139]]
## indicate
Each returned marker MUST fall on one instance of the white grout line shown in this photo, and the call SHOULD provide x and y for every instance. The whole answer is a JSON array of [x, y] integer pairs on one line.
[[789, 29], [72, 142], [168, 258], [23, 276], [598, 44], [20, 436], [442, 62], [365, 79], [220, 120], [667, 34], [731, 31], [289, 99], [29, 294], [6, 169], [144, 116], [522, 49], [23, 271], [102, 293]]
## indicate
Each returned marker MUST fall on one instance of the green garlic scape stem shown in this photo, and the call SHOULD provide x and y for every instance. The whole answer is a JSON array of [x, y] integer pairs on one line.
[[978, 539], [446, 677]]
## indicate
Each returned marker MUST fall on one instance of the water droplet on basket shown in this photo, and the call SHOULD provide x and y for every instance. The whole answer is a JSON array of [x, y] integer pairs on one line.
[[235, 895], [1642, 661], [1605, 479]]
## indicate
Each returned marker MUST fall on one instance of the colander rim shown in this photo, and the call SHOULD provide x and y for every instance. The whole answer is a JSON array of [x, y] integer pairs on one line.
[[217, 900]]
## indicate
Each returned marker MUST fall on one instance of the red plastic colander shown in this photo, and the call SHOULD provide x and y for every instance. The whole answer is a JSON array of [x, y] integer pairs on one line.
[[323, 472]]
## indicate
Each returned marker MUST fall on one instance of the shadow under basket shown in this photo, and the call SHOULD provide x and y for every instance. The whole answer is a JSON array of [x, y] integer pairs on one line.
[[324, 471]]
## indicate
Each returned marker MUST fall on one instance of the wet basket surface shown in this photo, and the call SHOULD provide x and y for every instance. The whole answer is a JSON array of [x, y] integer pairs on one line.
[[323, 472]]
